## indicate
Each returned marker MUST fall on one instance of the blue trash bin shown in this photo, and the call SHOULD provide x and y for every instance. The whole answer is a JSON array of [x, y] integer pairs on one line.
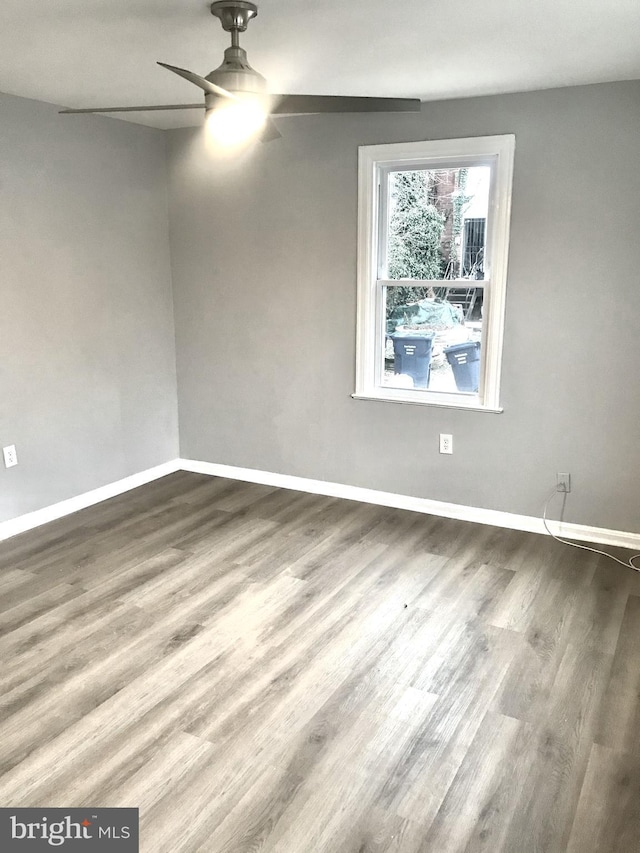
[[465, 363], [412, 356]]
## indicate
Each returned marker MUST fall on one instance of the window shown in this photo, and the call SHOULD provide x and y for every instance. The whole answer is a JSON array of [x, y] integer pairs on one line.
[[433, 242]]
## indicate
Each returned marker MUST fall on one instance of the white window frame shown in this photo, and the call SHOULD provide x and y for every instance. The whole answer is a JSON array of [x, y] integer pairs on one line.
[[375, 161]]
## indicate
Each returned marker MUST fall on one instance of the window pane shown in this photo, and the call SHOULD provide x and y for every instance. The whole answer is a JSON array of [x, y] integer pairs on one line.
[[437, 223], [432, 340]]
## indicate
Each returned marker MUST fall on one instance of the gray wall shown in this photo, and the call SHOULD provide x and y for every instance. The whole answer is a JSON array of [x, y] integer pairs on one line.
[[87, 361], [264, 271]]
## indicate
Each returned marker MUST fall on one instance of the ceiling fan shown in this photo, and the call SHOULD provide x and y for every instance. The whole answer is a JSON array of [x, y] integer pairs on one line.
[[235, 96]]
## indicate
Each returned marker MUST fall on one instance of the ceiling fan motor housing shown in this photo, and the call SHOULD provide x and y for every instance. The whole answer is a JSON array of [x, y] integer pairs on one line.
[[236, 75]]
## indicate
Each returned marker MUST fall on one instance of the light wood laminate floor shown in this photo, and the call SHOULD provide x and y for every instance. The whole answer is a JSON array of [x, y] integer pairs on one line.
[[263, 670]]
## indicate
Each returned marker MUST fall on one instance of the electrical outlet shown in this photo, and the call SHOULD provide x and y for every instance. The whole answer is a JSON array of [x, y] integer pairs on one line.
[[563, 482], [10, 456], [446, 443]]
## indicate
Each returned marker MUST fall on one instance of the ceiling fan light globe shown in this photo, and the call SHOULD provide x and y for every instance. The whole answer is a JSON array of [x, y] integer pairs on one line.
[[231, 123]]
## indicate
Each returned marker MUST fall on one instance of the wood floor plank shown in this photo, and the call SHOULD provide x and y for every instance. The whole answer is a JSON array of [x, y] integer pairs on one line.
[[546, 622], [457, 625], [162, 774], [564, 738], [25, 610], [472, 794], [599, 609], [259, 669], [619, 723], [219, 811], [107, 720], [97, 776], [287, 693], [375, 830], [434, 757], [608, 813]]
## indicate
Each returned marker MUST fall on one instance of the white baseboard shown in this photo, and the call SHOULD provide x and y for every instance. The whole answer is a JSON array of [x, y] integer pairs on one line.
[[58, 510], [531, 524]]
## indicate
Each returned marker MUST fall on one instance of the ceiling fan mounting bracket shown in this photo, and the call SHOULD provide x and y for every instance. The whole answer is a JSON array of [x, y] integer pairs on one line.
[[234, 14]]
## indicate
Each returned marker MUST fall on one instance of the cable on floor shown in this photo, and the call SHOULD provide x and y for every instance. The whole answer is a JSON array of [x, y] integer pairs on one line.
[[629, 564]]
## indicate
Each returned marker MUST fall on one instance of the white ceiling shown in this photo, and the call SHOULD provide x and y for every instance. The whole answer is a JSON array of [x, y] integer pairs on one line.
[[88, 53]]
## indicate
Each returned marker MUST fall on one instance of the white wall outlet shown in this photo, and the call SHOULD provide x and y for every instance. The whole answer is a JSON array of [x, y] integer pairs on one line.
[[563, 482], [10, 456], [446, 443]]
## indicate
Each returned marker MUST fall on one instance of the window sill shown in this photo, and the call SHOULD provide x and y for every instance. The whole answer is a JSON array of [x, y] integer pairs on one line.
[[457, 403]]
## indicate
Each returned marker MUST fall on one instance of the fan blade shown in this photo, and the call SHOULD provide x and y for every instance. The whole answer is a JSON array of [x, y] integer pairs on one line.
[[134, 109], [208, 87], [309, 104], [270, 132]]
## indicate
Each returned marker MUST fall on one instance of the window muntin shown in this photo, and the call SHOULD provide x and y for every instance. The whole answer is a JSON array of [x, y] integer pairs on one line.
[[433, 240]]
